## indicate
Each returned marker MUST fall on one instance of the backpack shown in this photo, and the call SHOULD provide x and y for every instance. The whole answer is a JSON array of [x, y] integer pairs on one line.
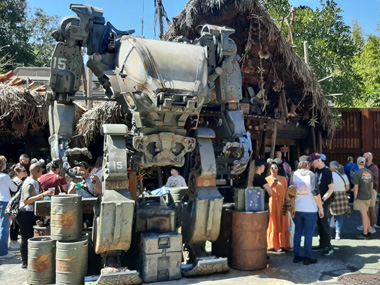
[[351, 176], [13, 207]]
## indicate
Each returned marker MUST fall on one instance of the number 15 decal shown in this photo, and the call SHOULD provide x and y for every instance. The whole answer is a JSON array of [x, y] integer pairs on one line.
[[118, 164], [59, 62]]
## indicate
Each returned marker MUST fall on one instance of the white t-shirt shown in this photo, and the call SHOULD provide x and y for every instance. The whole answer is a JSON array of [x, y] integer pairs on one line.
[[339, 184], [176, 181], [304, 180], [6, 184]]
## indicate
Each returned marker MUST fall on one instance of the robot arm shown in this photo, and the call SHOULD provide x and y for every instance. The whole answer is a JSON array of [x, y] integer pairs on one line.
[[87, 29], [224, 82]]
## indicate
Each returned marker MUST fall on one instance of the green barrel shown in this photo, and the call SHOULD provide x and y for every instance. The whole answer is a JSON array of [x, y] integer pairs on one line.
[[41, 260], [71, 261], [66, 217]]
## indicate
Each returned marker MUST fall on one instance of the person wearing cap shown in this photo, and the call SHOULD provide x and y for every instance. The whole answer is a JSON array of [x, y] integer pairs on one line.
[[340, 205], [259, 180], [326, 187], [363, 186], [350, 169], [375, 173], [90, 187], [175, 180], [52, 179], [308, 206]]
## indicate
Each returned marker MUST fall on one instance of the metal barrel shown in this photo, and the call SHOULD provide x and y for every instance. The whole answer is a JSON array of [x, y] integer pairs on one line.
[[249, 240], [41, 260], [71, 261], [41, 231], [66, 217]]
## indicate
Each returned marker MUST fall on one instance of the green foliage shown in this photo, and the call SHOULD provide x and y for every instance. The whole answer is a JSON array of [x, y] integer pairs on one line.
[[367, 66], [14, 37], [41, 26], [25, 38], [331, 46]]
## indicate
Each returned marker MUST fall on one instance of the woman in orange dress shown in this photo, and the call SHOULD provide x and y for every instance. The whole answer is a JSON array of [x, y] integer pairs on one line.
[[278, 229]]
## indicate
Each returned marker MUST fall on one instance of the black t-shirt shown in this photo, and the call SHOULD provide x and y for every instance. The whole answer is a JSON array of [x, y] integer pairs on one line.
[[260, 181], [324, 179]]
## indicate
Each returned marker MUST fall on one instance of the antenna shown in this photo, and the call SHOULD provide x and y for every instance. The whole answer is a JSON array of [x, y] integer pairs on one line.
[[142, 20]]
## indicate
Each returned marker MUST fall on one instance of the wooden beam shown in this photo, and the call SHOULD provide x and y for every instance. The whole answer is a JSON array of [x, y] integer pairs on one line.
[[273, 140]]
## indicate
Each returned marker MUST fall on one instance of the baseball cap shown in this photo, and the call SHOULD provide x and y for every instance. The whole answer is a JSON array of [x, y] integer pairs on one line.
[[360, 160], [303, 158], [334, 164], [314, 156], [323, 157]]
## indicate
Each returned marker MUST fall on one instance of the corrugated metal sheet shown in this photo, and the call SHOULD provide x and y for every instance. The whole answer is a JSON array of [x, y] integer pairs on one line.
[[359, 132]]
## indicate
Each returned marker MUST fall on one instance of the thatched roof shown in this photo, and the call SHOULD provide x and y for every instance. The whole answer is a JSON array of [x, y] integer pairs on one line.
[[90, 123], [20, 110], [256, 31]]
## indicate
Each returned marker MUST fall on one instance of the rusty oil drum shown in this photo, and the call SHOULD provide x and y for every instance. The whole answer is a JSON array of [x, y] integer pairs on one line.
[[66, 217], [41, 260], [71, 262], [249, 240]]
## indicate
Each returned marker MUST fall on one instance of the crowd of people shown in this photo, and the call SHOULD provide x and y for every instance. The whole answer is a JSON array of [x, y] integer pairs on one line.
[[322, 200], [35, 181]]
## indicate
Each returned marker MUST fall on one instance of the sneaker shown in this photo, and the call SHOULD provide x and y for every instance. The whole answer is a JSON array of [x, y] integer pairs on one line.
[[372, 230], [24, 266], [327, 251], [362, 236], [337, 236], [309, 261], [8, 255], [360, 228], [297, 259], [376, 226], [14, 245], [316, 248]]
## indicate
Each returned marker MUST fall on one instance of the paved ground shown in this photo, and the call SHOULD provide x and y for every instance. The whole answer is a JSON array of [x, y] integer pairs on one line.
[[350, 256]]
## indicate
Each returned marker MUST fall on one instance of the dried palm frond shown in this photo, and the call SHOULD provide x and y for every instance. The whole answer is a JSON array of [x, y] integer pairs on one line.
[[91, 122], [23, 109]]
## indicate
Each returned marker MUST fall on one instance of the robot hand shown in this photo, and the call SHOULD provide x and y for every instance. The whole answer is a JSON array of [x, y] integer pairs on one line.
[[244, 149]]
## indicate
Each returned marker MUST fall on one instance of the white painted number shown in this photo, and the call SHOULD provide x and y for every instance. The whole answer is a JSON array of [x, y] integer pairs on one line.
[[59, 63], [117, 164]]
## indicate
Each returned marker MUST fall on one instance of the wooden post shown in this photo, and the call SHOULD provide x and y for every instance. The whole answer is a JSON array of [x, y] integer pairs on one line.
[[160, 181], [273, 140], [89, 89], [320, 142]]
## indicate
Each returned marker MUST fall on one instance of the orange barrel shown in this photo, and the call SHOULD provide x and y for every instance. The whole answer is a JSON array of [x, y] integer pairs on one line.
[[249, 240], [66, 217], [41, 260], [71, 262]]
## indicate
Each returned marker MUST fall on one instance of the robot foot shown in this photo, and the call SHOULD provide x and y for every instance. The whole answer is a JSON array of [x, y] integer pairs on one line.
[[206, 266], [118, 276]]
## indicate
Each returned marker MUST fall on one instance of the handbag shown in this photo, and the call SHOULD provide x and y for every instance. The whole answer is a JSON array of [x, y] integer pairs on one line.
[[13, 207]]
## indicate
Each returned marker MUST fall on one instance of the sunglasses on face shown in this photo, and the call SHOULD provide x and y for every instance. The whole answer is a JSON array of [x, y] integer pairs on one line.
[[21, 171], [274, 168]]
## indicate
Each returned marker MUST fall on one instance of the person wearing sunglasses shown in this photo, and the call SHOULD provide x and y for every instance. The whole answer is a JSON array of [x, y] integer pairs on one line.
[[278, 229], [18, 175]]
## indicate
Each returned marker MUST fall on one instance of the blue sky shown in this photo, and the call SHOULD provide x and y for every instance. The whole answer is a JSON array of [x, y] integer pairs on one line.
[[127, 14]]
